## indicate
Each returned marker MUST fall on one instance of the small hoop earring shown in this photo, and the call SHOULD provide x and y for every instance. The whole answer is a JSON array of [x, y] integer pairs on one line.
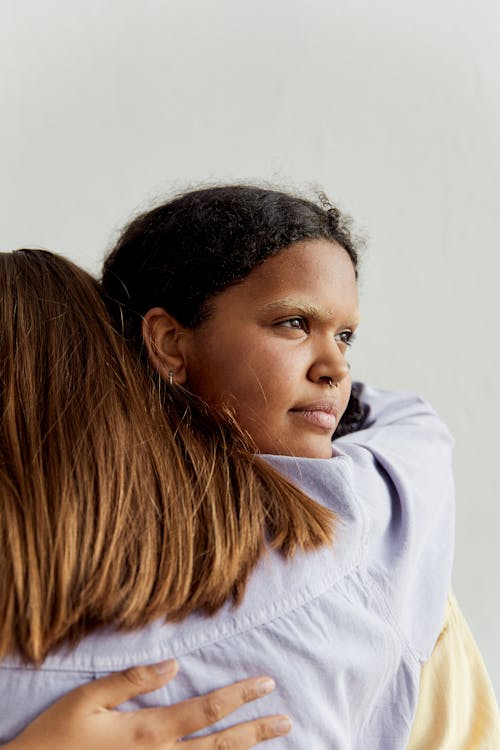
[[171, 377]]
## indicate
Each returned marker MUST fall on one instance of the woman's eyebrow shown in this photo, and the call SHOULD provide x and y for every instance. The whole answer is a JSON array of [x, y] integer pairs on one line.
[[297, 306]]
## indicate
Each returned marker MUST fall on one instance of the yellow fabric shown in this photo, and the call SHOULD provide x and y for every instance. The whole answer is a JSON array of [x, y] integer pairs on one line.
[[457, 709]]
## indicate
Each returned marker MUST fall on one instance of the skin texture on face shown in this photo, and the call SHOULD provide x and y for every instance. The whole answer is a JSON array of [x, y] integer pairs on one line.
[[273, 344]]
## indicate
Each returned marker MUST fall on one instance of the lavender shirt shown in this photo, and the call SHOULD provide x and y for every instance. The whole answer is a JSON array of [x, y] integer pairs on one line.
[[343, 631]]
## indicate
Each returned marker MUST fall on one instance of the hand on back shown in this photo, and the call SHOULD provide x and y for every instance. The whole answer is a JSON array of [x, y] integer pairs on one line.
[[86, 719]]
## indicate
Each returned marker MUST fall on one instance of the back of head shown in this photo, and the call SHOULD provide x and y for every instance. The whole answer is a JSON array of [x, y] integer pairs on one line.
[[78, 467], [55, 341], [66, 395]]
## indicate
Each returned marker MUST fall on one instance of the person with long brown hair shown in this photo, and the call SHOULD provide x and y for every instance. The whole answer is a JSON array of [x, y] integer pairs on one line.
[[87, 497], [242, 303]]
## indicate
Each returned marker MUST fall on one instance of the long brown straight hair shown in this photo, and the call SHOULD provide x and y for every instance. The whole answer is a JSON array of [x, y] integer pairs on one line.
[[122, 500]]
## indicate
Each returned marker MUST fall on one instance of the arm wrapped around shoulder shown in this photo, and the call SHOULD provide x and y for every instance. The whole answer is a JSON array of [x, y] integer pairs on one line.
[[402, 475]]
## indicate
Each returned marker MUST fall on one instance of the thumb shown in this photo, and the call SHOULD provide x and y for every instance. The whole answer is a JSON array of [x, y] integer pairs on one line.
[[118, 687]]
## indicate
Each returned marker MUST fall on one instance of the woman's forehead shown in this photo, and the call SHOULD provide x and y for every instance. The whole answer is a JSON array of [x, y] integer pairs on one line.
[[299, 268], [314, 278]]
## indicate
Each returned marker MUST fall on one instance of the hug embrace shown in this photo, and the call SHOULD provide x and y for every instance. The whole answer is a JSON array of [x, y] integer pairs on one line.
[[188, 473]]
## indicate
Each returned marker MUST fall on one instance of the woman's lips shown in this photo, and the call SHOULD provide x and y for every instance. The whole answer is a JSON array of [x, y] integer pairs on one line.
[[321, 414]]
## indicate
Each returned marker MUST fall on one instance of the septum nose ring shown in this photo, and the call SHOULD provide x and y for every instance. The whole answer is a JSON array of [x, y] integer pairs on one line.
[[332, 383]]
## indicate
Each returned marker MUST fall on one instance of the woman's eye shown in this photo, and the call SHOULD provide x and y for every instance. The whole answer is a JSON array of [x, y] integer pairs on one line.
[[298, 323], [345, 337]]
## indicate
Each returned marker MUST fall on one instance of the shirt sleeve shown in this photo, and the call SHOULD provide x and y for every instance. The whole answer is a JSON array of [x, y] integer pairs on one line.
[[457, 707], [402, 476]]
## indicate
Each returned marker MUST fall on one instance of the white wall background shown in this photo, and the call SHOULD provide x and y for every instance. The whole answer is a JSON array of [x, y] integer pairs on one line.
[[392, 106]]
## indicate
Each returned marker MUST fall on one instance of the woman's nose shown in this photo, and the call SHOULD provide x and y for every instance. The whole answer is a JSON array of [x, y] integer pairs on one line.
[[330, 365]]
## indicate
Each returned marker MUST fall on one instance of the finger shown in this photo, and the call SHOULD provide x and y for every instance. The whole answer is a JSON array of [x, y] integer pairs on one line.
[[243, 736], [196, 713], [116, 688]]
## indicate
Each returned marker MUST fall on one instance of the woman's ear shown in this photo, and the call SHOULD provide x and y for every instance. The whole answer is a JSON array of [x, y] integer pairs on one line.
[[162, 333]]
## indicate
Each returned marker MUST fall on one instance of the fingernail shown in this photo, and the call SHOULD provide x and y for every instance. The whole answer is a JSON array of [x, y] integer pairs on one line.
[[165, 667], [265, 686], [282, 725]]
